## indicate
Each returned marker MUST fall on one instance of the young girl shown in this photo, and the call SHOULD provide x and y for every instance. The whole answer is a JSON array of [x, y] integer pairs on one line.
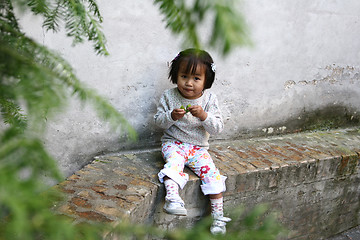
[[189, 114]]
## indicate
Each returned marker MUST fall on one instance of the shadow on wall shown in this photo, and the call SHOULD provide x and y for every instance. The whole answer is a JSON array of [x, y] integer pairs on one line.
[[329, 117], [326, 118]]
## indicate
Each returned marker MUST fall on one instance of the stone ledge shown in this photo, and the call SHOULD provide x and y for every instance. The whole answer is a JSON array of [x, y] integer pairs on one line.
[[312, 179]]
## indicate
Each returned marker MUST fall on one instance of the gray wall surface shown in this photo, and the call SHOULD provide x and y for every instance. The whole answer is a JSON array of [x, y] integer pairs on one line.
[[304, 63]]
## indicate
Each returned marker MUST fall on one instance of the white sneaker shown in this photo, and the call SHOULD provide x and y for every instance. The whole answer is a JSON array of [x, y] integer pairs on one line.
[[219, 225], [175, 208]]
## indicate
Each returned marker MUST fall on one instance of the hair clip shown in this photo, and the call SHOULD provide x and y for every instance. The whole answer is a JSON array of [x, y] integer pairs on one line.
[[177, 56], [213, 67]]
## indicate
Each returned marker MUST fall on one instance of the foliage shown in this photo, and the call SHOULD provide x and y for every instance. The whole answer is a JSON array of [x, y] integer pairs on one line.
[[256, 224], [38, 77], [228, 27], [35, 83]]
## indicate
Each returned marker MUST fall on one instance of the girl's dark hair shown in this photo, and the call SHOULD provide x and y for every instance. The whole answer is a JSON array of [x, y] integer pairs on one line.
[[193, 57]]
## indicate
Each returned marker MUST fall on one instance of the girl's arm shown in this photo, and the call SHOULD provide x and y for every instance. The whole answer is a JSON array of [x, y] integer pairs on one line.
[[213, 123], [163, 117]]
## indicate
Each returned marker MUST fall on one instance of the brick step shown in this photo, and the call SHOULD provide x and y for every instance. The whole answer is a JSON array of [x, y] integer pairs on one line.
[[312, 179]]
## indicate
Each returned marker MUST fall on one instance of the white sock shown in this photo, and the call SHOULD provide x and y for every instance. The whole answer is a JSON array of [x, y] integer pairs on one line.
[[217, 206], [172, 191]]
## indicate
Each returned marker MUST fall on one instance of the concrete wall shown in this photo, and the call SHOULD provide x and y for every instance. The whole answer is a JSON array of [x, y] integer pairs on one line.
[[304, 64]]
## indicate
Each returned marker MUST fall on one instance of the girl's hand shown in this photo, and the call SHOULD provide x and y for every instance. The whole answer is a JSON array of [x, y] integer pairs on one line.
[[177, 114], [198, 111]]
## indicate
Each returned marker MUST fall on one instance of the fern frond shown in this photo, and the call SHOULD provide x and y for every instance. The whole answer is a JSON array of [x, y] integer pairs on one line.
[[180, 19], [12, 114], [54, 16], [38, 6], [82, 22], [93, 7], [32, 149], [44, 79], [7, 15], [81, 19], [228, 29], [40, 81]]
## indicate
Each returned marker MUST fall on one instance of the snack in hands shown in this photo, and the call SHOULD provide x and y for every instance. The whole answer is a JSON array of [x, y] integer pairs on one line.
[[187, 108]]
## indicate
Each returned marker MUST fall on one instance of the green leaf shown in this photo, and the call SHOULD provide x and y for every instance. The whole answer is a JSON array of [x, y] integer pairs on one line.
[[228, 28]]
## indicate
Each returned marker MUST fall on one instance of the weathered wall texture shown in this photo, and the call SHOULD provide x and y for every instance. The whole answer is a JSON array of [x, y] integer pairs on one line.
[[304, 65]]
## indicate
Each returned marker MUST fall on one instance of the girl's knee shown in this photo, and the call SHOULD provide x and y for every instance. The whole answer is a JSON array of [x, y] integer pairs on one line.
[[214, 187]]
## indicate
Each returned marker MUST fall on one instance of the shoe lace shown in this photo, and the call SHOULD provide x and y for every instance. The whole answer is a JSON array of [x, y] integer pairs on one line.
[[221, 221], [175, 204]]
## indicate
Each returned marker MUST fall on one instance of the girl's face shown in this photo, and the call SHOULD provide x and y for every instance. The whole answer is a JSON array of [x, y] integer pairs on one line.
[[191, 86]]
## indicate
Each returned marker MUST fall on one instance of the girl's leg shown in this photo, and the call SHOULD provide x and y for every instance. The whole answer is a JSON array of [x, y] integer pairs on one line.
[[172, 190], [215, 196], [174, 164], [173, 202], [213, 184], [201, 163], [172, 176], [217, 205]]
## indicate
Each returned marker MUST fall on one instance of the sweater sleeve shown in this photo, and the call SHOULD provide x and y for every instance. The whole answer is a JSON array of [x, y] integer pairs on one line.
[[163, 117], [213, 124]]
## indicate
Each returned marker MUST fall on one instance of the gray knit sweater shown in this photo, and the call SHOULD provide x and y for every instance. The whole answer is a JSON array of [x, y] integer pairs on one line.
[[188, 129]]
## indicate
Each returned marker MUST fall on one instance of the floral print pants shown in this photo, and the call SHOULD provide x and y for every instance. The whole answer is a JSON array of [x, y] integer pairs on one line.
[[177, 155]]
